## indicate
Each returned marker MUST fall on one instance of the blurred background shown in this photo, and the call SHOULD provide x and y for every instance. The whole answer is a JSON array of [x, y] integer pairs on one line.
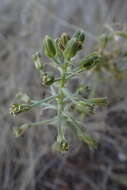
[[28, 163]]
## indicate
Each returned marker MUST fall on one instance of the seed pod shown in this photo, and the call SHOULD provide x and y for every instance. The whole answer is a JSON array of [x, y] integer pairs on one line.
[[72, 47], [37, 61], [90, 61], [49, 47], [79, 35], [48, 79]]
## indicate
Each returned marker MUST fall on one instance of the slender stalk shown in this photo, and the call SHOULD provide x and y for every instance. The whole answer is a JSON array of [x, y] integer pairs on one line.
[[42, 101], [43, 122], [60, 100]]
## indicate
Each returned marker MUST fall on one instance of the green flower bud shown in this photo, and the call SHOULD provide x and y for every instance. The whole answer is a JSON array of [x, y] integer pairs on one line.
[[90, 61], [18, 131], [72, 47], [99, 101], [64, 39], [48, 79], [79, 35], [49, 47], [60, 46], [121, 34], [15, 109], [84, 107], [61, 146], [37, 61], [22, 97]]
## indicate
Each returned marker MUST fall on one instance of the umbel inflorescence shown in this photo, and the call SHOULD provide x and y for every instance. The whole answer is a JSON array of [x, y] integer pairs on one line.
[[60, 51]]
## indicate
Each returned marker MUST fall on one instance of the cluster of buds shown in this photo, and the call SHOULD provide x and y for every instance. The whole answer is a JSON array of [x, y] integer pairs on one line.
[[15, 109], [37, 61], [64, 45]]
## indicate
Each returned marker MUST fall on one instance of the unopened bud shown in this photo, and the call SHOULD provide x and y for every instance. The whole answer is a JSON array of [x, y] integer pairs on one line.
[[87, 108], [49, 46], [18, 131], [121, 34], [15, 109], [48, 79], [72, 47], [64, 39], [90, 61], [79, 35], [22, 97], [37, 61], [61, 146], [98, 101]]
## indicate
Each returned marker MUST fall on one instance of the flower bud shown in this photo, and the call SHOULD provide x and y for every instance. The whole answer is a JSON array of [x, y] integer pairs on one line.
[[84, 107], [90, 61], [60, 46], [49, 46], [64, 39], [48, 79], [121, 34], [37, 61], [98, 101], [72, 47], [61, 146], [79, 35], [15, 109], [22, 97], [18, 131]]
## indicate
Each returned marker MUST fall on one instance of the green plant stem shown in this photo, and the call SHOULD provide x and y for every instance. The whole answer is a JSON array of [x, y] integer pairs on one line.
[[43, 122], [60, 100], [37, 103]]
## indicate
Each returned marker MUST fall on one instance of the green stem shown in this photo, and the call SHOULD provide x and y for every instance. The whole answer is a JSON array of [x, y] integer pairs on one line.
[[42, 101], [60, 101], [43, 122]]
